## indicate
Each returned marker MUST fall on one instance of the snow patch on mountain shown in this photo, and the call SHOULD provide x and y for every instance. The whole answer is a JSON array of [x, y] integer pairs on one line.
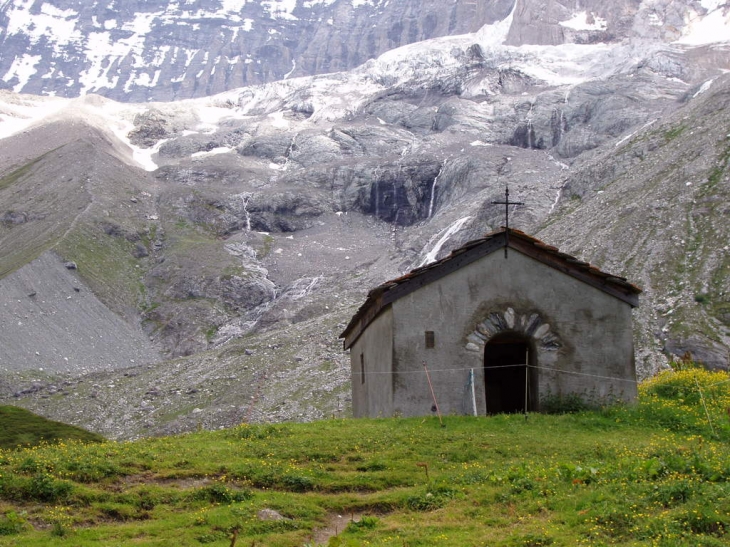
[[104, 51], [233, 6], [278, 120], [496, 33], [567, 64], [23, 68], [134, 55], [281, 9], [52, 24], [18, 112], [213, 152], [710, 28], [360, 3], [312, 3], [703, 88], [585, 21], [143, 156], [335, 96], [712, 4], [338, 95]]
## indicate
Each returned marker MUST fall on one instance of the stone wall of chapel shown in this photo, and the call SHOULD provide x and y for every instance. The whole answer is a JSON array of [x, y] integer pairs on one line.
[[582, 336], [371, 362]]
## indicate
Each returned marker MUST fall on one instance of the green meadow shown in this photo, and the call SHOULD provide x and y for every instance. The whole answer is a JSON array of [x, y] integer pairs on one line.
[[653, 474]]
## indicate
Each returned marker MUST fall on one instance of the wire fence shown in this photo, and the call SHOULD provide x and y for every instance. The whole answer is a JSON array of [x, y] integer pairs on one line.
[[707, 391], [466, 369]]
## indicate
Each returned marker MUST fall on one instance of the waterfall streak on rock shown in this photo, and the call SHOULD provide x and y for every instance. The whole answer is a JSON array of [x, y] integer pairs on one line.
[[448, 232], [627, 137], [302, 287], [557, 199], [244, 199], [433, 191]]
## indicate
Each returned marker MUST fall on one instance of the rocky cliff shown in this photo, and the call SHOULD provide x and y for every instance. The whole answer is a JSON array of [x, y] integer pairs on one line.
[[164, 50]]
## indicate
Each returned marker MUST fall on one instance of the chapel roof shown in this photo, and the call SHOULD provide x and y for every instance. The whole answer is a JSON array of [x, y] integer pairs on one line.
[[390, 291]]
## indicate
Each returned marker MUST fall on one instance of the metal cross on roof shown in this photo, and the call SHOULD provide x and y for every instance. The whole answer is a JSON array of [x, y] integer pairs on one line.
[[506, 204]]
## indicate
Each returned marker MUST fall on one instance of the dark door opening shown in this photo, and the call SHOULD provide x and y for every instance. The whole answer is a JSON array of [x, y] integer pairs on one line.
[[509, 383]]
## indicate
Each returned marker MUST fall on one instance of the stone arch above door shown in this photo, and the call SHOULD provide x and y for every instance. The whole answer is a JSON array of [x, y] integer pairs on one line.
[[529, 324]]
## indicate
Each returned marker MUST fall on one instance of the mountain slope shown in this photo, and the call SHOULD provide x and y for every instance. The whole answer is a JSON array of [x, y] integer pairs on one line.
[[21, 428], [668, 187], [241, 231]]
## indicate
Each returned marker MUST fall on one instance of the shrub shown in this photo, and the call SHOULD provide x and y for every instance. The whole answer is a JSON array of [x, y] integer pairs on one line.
[[60, 522], [372, 466], [673, 493], [40, 487], [122, 512], [690, 400], [615, 522], [563, 404], [11, 523], [531, 540], [212, 537], [577, 474], [84, 471], [425, 502], [297, 483], [258, 477], [258, 432], [365, 523], [705, 520], [430, 499], [219, 492]]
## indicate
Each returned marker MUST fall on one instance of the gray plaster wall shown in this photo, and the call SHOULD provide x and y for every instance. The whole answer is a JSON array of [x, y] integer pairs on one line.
[[581, 337], [371, 360]]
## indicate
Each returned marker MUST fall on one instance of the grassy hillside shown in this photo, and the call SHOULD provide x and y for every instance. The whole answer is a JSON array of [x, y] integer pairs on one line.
[[657, 474], [20, 427]]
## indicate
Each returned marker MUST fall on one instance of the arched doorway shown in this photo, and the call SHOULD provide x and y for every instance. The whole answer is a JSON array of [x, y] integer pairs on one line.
[[510, 376]]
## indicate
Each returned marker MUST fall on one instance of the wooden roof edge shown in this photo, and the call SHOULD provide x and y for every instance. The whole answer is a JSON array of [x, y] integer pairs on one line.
[[575, 261], [353, 331], [610, 284]]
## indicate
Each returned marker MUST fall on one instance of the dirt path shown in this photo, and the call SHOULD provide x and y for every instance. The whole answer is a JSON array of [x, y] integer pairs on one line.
[[335, 524]]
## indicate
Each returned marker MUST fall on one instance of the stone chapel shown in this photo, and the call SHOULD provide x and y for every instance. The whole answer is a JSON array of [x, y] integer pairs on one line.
[[484, 332]]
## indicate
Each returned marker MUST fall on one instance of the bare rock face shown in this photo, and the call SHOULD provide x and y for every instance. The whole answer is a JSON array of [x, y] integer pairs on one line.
[[150, 127], [595, 21], [553, 22], [162, 50], [702, 349], [137, 51], [669, 233]]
